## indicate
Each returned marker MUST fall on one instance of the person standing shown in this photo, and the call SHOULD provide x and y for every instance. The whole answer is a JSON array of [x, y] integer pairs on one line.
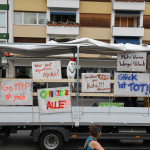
[[91, 142]]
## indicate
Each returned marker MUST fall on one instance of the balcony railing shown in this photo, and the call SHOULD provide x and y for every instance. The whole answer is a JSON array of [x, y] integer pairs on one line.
[[133, 5], [63, 3], [128, 31], [63, 24], [63, 28]]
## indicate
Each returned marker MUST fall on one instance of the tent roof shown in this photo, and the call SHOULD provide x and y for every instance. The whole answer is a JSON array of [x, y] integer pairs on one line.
[[86, 45]]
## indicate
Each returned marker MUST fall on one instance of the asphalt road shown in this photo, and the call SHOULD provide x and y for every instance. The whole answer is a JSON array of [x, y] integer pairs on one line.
[[23, 141]]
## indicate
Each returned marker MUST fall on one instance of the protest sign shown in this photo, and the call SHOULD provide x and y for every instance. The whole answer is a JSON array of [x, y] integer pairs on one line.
[[131, 62], [16, 92], [46, 70], [131, 84], [95, 82], [52, 100]]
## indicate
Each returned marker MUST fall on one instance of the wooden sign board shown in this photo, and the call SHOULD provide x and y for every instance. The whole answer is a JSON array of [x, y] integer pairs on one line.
[[46, 70], [131, 62], [16, 92], [131, 84], [54, 100], [96, 82]]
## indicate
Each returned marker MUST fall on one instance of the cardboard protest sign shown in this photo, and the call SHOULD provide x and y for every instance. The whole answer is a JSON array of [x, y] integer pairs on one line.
[[16, 92], [52, 100], [95, 82], [131, 62], [131, 84], [46, 70]]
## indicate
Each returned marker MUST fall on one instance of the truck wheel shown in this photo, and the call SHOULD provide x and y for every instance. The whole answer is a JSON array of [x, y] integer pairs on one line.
[[4, 133], [51, 140]]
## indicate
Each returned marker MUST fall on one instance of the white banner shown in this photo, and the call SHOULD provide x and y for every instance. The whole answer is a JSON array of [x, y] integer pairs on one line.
[[131, 84], [131, 62], [16, 92], [46, 70], [95, 82], [52, 100]]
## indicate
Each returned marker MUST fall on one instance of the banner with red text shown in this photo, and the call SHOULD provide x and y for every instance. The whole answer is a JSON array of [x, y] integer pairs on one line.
[[52, 100], [16, 92], [46, 70], [131, 62], [95, 82]]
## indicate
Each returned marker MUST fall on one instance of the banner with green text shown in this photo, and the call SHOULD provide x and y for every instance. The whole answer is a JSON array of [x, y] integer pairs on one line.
[[52, 100]]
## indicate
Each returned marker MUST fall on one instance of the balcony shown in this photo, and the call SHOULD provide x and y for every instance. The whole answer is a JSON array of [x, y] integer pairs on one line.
[[128, 31], [63, 29], [63, 3], [132, 5]]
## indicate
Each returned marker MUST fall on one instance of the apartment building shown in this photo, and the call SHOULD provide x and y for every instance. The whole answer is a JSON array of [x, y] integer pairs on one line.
[[63, 19], [32, 20], [115, 21], [111, 21], [6, 9], [29, 24]]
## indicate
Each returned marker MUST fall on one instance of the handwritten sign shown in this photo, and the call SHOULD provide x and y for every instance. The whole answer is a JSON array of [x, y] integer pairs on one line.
[[95, 82], [131, 62], [52, 100], [16, 92], [131, 84], [46, 70]]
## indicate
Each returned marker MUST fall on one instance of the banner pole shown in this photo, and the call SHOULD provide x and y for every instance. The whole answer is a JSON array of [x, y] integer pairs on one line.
[[71, 103], [39, 118], [32, 102]]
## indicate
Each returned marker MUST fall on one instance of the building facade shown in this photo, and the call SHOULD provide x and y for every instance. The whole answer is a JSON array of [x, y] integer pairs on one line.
[[111, 21], [115, 21], [6, 28]]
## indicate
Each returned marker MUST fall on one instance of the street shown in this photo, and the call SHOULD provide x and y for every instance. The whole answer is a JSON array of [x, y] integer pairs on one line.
[[23, 141]]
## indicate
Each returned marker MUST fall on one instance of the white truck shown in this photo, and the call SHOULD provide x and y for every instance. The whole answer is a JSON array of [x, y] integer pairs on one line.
[[52, 130]]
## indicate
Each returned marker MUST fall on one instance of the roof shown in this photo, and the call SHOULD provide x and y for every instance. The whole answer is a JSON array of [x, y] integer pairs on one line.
[[86, 45]]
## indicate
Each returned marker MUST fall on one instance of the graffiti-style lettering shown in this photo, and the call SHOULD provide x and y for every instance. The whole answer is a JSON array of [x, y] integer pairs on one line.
[[43, 94], [131, 77], [122, 85], [6, 88], [46, 93], [66, 92], [55, 105], [139, 87]]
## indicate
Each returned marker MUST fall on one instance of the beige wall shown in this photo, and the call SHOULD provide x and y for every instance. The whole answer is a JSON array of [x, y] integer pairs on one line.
[[147, 9], [146, 35], [29, 31], [95, 33], [95, 7], [30, 5]]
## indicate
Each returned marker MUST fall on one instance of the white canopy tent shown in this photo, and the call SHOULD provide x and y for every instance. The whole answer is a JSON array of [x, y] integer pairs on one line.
[[23, 116], [85, 45]]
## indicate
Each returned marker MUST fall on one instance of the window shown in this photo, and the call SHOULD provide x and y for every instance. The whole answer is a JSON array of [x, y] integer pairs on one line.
[[2, 19], [63, 17], [126, 21], [18, 17], [127, 18], [30, 18], [41, 18]]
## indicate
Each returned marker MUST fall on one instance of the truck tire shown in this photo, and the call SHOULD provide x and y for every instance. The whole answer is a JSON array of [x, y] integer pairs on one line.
[[4, 133], [51, 140]]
